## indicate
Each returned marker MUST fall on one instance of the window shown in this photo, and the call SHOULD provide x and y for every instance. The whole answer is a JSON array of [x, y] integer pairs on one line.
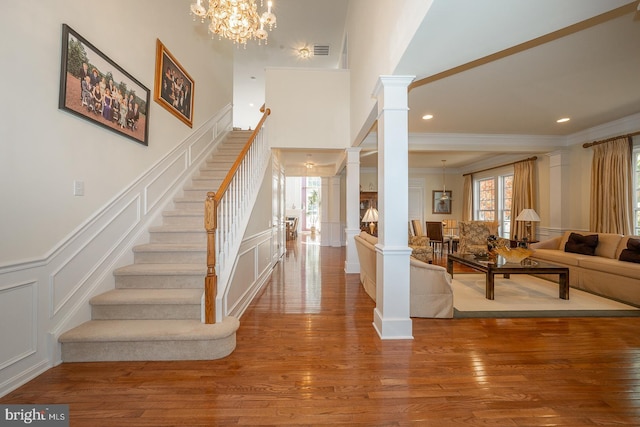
[[636, 192], [506, 185], [493, 201], [487, 200], [311, 196]]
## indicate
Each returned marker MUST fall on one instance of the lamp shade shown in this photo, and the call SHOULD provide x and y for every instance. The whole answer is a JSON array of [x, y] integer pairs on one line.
[[371, 215], [528, 215]]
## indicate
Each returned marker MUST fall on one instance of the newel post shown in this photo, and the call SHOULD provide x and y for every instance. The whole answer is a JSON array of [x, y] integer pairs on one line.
[[211, 281]]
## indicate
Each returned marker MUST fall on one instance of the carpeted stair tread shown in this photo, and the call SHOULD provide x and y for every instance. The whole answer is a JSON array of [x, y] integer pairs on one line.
[[161, 269], [148, 296], [170, 247], [204, 184], [149, 330], [178, 228], [185, 212]]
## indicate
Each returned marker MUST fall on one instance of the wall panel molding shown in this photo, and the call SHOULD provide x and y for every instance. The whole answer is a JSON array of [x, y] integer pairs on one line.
[[51, 293]]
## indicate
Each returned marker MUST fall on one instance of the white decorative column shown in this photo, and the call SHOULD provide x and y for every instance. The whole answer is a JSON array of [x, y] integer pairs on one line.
[[559, 198], [325, 220], [392, 313], [351, 263], [330, 207], [334, 212]]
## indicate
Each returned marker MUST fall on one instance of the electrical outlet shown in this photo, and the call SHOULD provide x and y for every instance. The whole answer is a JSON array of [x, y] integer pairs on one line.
[[78, 188]]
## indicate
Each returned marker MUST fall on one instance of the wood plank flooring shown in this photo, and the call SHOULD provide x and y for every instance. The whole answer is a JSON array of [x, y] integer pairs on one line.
[[307, 354]]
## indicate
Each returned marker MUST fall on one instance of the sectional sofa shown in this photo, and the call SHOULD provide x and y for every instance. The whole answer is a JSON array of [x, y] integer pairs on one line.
[[431, 291], [602, 272]]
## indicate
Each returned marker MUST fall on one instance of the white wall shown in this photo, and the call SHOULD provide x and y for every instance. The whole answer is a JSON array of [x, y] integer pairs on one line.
[[377, 38], [309, 108], [43, 149]]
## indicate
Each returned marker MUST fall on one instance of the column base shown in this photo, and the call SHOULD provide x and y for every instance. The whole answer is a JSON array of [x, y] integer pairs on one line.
[[392, 329]]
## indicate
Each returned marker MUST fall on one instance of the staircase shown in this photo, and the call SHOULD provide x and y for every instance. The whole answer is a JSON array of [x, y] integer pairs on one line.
[[154, 312]]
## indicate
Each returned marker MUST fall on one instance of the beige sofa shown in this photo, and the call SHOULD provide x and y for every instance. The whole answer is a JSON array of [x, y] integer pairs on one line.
[[431, 291], [603, 273]]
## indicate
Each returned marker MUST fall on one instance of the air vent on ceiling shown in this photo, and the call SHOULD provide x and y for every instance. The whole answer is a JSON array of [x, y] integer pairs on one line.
[[320, 50]]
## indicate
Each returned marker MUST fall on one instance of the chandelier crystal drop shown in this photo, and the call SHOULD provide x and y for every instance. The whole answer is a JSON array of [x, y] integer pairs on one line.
[[236, 20]]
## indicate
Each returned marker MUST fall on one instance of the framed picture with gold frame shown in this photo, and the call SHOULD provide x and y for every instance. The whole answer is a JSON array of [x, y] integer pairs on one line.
[[174, 87], [442, 205]]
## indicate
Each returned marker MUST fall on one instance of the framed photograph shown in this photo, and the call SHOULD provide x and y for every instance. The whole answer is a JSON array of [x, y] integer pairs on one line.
[[440, 205], [173, 86], [97, 89]]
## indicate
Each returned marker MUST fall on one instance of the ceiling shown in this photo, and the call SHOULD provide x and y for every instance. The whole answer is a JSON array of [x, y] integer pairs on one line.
[[591, 76]]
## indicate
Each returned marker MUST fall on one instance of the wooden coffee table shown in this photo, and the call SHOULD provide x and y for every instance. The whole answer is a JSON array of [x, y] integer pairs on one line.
[[500, 266]]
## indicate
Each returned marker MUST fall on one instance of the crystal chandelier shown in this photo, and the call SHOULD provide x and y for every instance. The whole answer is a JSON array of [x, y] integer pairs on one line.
[[236, 20]]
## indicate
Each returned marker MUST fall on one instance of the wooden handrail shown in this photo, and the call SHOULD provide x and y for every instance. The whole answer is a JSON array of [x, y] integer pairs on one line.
[[227, 180], [211, 205]]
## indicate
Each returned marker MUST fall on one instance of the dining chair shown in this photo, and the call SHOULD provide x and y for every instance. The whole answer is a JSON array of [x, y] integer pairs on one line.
[[435, 232], [416, 225], [451, 231]]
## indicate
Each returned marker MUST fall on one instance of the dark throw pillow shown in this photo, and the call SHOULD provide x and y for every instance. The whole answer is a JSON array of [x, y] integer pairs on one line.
[[633, 244], [632, 253], [579, 244]]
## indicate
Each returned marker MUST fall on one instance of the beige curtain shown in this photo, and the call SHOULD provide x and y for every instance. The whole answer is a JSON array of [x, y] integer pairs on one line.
[[611, 187], [522, 197], [467, 198]]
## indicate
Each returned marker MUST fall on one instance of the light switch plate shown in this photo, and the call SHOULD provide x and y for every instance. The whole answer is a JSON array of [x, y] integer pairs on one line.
[[78, 188]]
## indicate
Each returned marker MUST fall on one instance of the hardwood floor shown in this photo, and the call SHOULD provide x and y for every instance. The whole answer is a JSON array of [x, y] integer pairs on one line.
[[307, 354]]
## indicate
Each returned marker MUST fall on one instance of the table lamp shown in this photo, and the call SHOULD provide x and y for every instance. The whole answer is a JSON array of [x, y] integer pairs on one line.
[[371, 216], [528, 215]]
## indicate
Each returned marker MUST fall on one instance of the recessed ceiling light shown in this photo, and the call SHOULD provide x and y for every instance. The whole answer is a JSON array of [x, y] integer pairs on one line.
[[304, 53], [427, 117], [563, 120]]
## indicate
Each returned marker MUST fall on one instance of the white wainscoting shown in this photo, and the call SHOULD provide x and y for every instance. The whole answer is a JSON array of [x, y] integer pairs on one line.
[[40, 299], [19, 301], [250, 272]]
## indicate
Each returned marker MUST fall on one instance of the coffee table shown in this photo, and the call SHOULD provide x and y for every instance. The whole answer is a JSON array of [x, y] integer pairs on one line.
[[500, 266]]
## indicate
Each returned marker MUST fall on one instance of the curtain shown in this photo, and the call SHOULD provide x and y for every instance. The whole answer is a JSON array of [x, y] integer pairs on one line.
[[611, 187], [467, 198], [522, 197]]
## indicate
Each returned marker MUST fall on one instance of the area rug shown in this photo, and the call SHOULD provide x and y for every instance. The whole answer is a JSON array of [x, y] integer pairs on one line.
[[527, 296]]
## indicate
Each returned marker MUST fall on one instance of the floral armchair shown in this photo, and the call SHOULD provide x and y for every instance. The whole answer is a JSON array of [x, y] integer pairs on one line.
[[420, 247], [474, 236]]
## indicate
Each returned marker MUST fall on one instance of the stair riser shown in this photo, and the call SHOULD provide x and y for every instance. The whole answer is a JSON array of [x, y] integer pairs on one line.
[[145, 311], [204, 185], [147, 350], [178, 237], [190, 257], [184, 220], [223, 157], [212, 174], [197, 193], [189, 205], [160, 282]]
